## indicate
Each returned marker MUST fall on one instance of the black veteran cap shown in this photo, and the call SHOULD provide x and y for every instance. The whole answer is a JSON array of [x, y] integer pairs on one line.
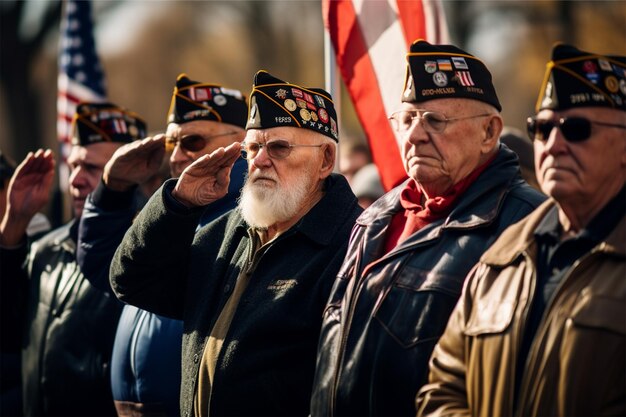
[[445, 71], [275, 103], [105, 122], [193, 100], [575, 78]]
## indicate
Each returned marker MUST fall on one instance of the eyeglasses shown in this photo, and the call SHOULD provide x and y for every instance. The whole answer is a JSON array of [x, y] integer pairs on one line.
[[192, 143], [276, 149], [431, 121], [574, 129]]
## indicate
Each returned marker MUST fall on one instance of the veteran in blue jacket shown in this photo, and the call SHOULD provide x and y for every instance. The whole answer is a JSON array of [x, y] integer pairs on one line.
[[250, 286], [145, 363]]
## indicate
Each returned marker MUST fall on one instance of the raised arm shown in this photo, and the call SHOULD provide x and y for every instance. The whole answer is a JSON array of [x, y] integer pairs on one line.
[[151, 265], [110, 209]]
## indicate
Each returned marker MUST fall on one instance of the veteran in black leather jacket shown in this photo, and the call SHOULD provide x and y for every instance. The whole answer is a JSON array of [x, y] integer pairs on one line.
[[63, 325], [69, 331], [410, 251], [381, 324]]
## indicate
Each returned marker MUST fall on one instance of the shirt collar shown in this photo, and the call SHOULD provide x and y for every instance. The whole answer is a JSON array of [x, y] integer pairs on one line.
[[598, 228]]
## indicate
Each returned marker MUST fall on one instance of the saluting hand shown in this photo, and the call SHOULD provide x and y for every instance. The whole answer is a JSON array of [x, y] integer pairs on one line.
[[27, 194], [134, 163], [207, 179]]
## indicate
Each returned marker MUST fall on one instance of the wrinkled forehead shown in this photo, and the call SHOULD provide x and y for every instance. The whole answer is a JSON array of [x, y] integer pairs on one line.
[[444, 105], [600, 114], [95, 153], [275, 133], [199, 127]]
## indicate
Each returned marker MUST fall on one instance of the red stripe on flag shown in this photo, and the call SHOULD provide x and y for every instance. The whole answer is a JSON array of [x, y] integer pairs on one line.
[[411, 15], [358, 74], [65, 117], [69, 97]]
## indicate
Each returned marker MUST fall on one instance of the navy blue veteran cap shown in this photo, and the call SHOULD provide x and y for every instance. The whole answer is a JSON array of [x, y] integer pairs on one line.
[[445, 71], [105, 122], [576, 78], [193, 100], [275, 103]]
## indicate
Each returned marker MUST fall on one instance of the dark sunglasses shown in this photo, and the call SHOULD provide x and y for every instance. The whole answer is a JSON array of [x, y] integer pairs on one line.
[[276, 149], [574, 129], [191, 143]]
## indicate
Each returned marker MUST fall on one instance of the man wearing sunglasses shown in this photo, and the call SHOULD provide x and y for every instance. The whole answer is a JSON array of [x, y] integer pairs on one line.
[[411, 250], [145, 366], [540, 328], [252, 285], [64, 326]]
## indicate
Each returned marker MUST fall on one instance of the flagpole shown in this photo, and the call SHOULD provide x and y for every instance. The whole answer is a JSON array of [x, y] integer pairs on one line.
[[332, 83]]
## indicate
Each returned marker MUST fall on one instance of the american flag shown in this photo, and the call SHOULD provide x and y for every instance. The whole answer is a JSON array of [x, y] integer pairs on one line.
[[80, 74], [371, 39]]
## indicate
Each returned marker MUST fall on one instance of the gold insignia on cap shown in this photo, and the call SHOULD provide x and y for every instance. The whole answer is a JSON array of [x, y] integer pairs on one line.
[[304, 113], [290, 105], [611, 84]]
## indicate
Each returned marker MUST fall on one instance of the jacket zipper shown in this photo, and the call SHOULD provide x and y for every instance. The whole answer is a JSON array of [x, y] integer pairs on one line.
[[541, 330], [520, 333], [344, 334]]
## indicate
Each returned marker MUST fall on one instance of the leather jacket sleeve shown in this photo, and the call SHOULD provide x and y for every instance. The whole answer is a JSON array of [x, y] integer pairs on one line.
[[13, 291], [446, 393]]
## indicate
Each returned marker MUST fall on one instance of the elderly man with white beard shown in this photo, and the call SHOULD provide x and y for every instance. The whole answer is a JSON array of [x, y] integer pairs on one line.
[[250, 286]]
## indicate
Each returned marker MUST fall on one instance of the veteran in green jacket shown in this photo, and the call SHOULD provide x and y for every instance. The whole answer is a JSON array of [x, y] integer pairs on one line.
[[252, 285]]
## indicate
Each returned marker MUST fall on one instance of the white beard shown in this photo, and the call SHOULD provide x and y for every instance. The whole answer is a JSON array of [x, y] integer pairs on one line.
[[262, 206]]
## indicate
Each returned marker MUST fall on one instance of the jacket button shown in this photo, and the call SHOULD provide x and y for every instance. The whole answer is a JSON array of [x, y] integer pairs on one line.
[[195, 358], [226, 288]]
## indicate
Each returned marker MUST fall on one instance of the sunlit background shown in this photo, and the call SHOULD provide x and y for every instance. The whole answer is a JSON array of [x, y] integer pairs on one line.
[[144, 45]]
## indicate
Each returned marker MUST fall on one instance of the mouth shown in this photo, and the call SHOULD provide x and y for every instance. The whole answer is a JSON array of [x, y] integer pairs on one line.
[[423, 159], [263, 181]]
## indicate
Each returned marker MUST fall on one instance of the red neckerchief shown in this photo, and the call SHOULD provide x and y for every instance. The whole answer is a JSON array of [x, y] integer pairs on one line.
[[414, 216]]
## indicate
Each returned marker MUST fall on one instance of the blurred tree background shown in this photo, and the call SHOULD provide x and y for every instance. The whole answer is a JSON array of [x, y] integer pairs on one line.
[[143, 45]]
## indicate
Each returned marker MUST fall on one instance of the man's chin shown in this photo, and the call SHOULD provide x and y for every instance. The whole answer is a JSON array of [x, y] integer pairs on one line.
[[78, 205]]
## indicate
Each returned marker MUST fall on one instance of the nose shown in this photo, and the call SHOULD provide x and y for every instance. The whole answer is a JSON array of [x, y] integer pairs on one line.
[[262, 159], [178, 155], [416, 133], [556, 143], [77, 177]]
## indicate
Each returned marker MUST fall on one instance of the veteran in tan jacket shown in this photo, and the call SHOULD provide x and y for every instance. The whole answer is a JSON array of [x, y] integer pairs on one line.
[[540, 329]]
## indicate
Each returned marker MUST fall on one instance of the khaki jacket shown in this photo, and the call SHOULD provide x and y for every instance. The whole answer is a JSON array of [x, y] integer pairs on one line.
[[576, 364]]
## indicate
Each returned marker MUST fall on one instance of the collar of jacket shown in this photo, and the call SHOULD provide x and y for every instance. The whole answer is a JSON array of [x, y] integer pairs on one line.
[[329, 215], [61, 237], [479, 204], [519, 237]]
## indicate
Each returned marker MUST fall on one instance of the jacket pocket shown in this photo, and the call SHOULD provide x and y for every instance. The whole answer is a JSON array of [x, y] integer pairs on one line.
[[600, 312], [416, 307]]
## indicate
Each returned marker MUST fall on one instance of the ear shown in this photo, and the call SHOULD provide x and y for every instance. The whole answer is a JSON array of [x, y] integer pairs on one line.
[[492, 130], [328, 161]]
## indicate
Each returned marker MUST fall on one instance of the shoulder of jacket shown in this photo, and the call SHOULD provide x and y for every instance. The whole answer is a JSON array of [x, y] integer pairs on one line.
[[516, 238]]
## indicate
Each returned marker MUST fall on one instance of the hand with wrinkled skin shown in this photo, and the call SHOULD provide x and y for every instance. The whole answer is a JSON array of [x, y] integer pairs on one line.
[[207, 179], [134, 163], [27, 194]]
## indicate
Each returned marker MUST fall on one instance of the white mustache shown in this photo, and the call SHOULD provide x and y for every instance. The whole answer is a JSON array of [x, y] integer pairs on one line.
[[257, 175]]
